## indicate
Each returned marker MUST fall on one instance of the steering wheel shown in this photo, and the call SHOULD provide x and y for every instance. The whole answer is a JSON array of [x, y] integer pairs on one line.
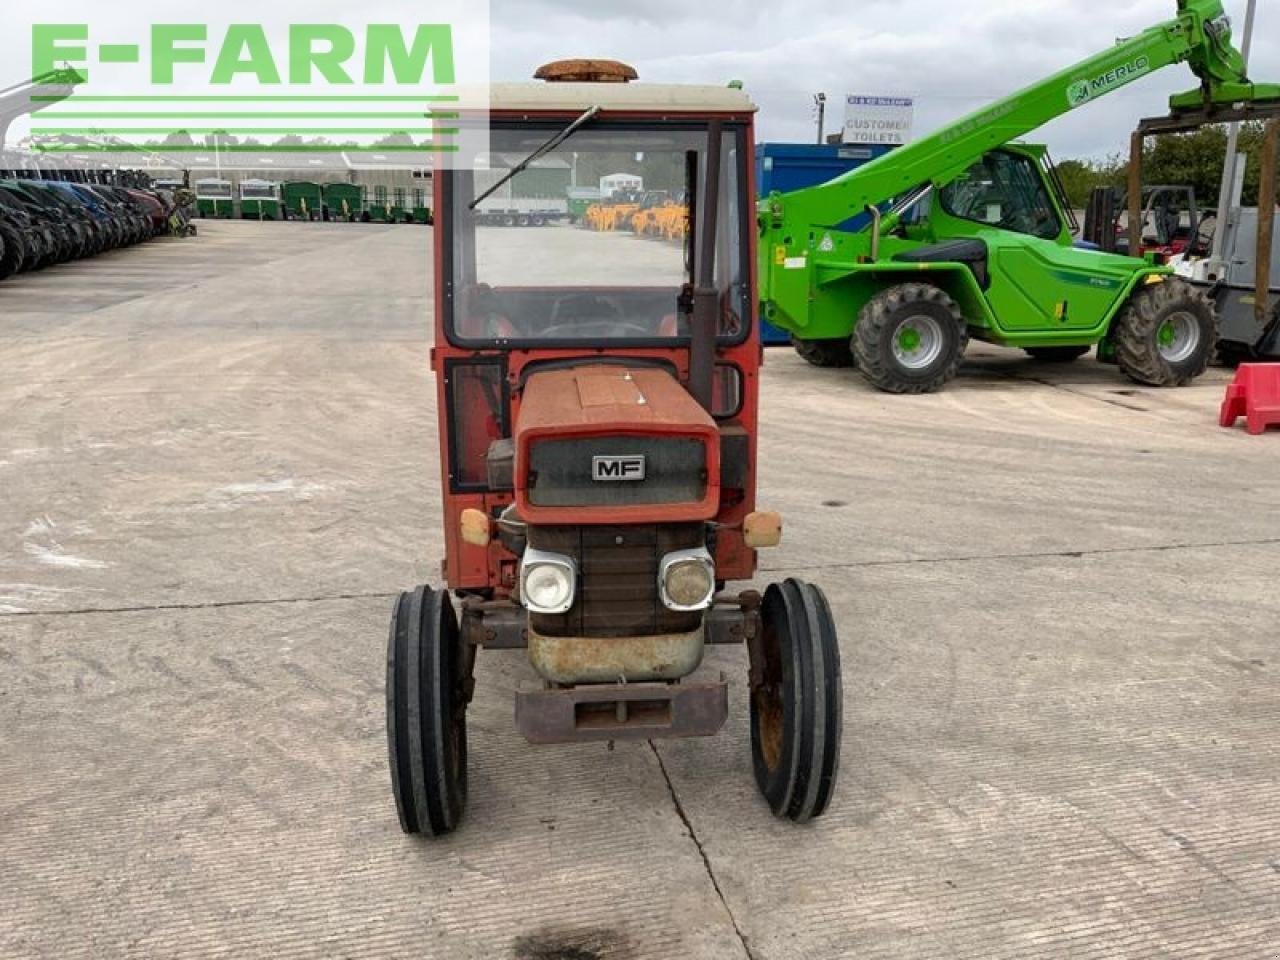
[[587, 315], [1020, 221], [597, 329], [1202, 242]]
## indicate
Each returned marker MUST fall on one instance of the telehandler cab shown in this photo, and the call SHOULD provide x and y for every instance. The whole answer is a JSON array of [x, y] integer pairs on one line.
[[597, 400], [969, 236]]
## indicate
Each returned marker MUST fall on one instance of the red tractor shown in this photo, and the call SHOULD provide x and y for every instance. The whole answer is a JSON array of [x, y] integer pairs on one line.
[[598, 418]]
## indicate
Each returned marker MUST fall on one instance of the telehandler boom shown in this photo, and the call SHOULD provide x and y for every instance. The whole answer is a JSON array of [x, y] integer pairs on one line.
[[977, 240]]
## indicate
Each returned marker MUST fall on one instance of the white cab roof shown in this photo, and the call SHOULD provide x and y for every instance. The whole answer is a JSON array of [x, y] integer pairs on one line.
[[656, 97]]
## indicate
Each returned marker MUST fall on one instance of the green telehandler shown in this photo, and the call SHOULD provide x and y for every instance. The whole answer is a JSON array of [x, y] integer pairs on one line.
[[968, 234]]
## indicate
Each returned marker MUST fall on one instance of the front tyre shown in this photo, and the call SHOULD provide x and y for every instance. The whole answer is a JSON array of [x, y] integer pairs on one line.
[[910, 338], [427, 681], [795, 701], [1166, 334], [825, 353]]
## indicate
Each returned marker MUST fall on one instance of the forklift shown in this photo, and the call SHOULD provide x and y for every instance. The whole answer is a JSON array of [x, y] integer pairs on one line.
[[1244, 283], [598, 436], [969, 236], [1172, 223]]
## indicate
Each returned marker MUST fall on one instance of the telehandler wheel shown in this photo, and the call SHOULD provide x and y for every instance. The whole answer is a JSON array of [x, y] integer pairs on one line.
[[910, 338], [825, 353], [1166, 334], [1056, 354], [795, 701], [427, 680]]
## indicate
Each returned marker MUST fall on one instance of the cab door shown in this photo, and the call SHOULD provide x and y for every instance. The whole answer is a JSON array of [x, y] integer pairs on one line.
[[1038, 281]]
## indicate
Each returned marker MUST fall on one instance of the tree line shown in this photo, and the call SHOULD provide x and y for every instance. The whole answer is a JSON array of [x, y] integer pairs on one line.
[[1186, 159]]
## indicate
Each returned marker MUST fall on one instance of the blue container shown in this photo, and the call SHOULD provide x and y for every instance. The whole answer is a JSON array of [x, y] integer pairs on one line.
[[792, 166]]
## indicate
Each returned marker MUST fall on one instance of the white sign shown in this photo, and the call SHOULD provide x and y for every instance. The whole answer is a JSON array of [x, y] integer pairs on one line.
[[878, 120]]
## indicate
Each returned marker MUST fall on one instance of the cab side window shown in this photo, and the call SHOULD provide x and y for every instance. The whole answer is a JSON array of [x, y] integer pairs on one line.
[[1003, 190], [478, 409]]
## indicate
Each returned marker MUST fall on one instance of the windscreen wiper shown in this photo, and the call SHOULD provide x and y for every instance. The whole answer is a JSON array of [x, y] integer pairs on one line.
[[546, 148]]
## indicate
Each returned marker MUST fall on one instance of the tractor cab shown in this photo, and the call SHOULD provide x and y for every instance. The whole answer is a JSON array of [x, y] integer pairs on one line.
[[597, 394]]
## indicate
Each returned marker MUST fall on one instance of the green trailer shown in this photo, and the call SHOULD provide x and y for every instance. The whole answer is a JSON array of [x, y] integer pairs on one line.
[[579, 199], [303, 200], [400, 204], [259, 200], [421, 210], [214, 198], [343, 201], [385, 206]]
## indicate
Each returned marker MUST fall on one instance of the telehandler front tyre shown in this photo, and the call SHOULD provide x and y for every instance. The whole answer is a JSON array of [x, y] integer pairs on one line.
[[1166, 335], [910, 338], [428, 675], [796, 703], [825, 353]]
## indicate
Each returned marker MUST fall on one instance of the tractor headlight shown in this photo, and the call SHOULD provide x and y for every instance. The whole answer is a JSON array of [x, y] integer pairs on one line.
[[547, 581], [687, 579]]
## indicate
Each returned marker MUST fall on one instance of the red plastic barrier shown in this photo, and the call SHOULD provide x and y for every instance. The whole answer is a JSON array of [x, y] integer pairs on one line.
[[1254, 395]]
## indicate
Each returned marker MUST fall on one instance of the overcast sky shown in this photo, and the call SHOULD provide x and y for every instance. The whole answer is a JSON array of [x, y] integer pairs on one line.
[[952, 56]]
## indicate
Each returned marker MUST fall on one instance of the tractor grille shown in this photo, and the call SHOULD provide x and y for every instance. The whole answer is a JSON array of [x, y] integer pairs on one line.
[[560, 471], [617, 592]]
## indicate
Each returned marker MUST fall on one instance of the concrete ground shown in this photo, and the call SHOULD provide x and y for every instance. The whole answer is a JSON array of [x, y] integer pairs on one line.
[[1057, 596]]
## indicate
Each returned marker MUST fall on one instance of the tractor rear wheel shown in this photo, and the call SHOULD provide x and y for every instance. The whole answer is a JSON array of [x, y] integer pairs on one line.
[[825, 353], [1056, 354], [795, 701], [1166, 334], [428, 677], [910, 338]]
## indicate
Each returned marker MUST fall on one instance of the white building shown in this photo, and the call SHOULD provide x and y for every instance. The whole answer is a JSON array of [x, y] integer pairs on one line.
[[620, 183]]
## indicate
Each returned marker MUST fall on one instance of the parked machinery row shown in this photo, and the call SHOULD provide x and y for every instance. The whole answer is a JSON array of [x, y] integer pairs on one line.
[[254, 199], [45, 222]]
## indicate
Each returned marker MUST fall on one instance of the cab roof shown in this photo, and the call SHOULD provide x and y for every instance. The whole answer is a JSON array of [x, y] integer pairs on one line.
[[646, 97]]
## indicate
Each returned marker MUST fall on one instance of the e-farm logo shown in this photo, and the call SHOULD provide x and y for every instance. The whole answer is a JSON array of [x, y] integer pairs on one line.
[[1082, 91], [315, 87]]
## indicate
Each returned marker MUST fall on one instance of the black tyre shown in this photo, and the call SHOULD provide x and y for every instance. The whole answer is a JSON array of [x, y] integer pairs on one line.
[[825, 353], [428, 677], [1056, 354], [910, 338], [13, 253], [796, 701], [1166, 335]]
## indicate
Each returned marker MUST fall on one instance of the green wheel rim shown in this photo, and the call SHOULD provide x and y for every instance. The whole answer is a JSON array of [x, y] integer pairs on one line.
[[918, 342], [1178, 337]]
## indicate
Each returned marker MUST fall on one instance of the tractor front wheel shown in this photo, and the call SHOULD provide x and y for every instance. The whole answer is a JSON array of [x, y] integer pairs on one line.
[[910, 338], [825, 353], [428, 676], [1056, 354], [795, 701], [1166, 334]]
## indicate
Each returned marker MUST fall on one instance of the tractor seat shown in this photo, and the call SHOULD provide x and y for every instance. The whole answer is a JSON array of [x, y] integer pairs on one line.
[[972, 253]]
